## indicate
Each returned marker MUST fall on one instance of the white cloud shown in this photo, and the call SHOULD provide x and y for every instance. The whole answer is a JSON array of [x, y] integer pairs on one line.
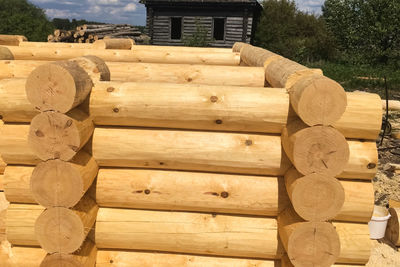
[[130, 7], [312, 6], [57, 13]]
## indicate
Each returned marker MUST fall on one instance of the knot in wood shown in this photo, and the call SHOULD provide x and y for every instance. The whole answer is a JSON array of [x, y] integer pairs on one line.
[[218, 121], [110, 89], [116, 110], [248, 142], [213, 98], [224, 194], [39, 133], [371, 165], [147, 191]]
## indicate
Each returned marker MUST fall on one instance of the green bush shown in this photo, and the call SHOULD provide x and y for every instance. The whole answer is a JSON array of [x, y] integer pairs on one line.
[[23, 18], [291, 33]]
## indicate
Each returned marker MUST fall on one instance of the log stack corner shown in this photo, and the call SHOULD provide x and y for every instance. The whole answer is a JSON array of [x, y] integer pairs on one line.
[[217, 157]]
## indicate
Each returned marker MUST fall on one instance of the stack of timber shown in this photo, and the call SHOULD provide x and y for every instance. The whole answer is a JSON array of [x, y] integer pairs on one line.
[[315, 142], [90, 33], [187, 174]]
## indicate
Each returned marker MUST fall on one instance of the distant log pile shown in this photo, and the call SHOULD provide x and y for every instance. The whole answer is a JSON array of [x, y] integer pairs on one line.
[[206, 174], [90, 33]]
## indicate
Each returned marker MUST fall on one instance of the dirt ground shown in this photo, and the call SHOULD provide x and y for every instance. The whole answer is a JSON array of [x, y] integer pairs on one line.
[[387, 186]]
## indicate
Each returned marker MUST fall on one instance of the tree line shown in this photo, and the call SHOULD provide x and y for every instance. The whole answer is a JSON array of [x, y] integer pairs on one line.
[[351, 31]]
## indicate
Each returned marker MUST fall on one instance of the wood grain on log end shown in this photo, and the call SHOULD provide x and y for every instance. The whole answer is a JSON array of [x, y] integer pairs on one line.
[[308, 243], [5, 53], [62, 230], [84, 257], [58, 86], [53, 135], [315, 197], [56, 183], [318, 100], [318, 149]]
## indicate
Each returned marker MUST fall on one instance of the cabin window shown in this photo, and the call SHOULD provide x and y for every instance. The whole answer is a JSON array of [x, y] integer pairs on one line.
[[176, 28], [219, 29]]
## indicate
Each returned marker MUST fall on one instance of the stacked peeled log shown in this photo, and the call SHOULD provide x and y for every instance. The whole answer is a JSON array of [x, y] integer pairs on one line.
[[184, 169], [90, 33], [315, 143]]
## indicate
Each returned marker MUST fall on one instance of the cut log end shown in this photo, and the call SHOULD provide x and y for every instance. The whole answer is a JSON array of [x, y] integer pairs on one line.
[[95, 67], [55, 183], [318, 149], [314, 197], [58, 86], [313, 244], [59, 259], [53, 135], [5, 53], [59, 230], [318, 100]]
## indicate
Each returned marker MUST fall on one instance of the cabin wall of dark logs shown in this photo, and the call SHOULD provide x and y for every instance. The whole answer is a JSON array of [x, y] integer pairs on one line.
[[234, 20]]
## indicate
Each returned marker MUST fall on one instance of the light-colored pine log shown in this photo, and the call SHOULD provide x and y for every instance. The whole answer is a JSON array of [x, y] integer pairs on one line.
[[14, 106], [363, 160], [20, 224], [285, 262], [19, 256], [16, 184], [237, 46], [152, 72], [12, 39], [355, 243], [58, 86], [2, 182], [2, 165], [14, 148], [54, 135], [184, 232], [109, 258], [62, 230], [284, 73], [308, 243], [189, 150], [55, 45], [5, 53], [315, 197], [393, 105], [317, 149], [149, 56], [3, 212], [358, 201], [84, 257], [190, 106], [362, 118], [256, 56], [318, 100], [393, 226], [94, 66], [135, 47], [117, 43], [56, 183], [190, 191]]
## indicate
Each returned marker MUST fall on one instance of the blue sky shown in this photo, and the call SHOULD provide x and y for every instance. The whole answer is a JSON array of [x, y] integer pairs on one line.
[[121, 11]]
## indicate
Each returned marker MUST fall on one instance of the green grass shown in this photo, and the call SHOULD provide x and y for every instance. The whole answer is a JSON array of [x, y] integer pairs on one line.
[[360, 77]]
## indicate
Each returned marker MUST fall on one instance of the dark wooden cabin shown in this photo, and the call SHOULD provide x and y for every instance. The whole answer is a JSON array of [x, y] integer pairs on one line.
[[220, 22]]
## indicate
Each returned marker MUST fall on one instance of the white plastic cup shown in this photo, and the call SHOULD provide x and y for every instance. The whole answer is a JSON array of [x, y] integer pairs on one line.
[[378, 223]]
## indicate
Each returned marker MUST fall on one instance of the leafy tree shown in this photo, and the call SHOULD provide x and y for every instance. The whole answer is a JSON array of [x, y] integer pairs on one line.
[[368, 31], [23, 18], [287, 31]]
